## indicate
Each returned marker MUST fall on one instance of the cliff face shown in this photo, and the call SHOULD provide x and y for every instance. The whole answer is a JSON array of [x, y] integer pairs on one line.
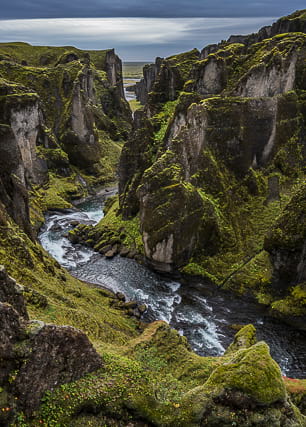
[[218, 156], [165, 79], [63, 113], [21, 130], [65, 107]]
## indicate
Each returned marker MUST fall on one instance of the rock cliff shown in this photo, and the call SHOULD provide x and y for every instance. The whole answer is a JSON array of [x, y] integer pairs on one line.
[[208, 179], [66, 111], [215, 157]]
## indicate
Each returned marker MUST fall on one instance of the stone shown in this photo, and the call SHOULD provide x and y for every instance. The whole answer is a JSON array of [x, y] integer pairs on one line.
[[110, 254], [34, 356], [124, 252], [12, 293], [142, 308], [245, 338], [120, 296], [59, 354]]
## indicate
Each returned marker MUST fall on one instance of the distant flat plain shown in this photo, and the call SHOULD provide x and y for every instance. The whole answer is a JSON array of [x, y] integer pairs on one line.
[[133, 70]]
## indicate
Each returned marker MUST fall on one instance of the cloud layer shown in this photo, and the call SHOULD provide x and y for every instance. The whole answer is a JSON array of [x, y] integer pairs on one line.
[[135, 39], [22, 9]]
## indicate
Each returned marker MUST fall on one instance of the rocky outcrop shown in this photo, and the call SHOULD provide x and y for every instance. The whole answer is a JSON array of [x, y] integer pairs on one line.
[[244, 338], [80, 139], [150, 72], [263, 81], [164, 79], [211, 149], [12, 293], [170, 213], [22, 113], [246, 388], [36, 357], [76, 96], [113, 65]]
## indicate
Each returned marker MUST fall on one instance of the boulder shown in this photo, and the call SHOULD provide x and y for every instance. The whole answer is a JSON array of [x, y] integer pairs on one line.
[[57, 355], [245, 338], [247, 389], [36, 357]]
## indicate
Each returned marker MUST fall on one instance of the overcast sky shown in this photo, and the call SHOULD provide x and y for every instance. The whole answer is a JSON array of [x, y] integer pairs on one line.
[[137, 29]]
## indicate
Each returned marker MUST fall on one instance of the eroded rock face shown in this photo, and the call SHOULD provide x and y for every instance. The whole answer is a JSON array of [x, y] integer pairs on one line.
[[13, 193], [265, 81], [242, 132], [80, 139], [22, 113], [165, 79], [174, 215], [11, 293], [36, 357], [114, 71], [240, 109], [26, 124], [62, 108], [145, 85], [287, 24]]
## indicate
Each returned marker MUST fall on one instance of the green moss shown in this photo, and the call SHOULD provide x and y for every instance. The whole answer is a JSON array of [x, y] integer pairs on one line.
[[184, 62], [251, 372], [112, 229], [245, 338], [162, 120], [68, 301], [289, 230], [162, 350], [135, 105]]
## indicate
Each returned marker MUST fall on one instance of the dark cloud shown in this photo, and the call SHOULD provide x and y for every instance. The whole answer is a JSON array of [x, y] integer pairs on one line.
[[23, 9]]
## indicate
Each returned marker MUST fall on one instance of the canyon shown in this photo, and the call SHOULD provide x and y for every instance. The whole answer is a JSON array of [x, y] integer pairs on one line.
[[211, 176]]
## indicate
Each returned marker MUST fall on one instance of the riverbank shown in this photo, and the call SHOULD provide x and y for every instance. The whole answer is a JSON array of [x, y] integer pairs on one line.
[[206, 315]]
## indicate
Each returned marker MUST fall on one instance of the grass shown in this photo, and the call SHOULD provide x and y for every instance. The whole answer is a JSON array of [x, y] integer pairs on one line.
[[48, 56], [133, 70]]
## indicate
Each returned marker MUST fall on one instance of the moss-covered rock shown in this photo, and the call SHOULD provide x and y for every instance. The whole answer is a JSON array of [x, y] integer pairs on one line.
[[66, 109], [236, 135], [245, 390], [245, 338]]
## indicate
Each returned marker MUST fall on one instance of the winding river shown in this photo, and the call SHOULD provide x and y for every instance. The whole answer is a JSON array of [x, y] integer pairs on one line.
[[204, 315]]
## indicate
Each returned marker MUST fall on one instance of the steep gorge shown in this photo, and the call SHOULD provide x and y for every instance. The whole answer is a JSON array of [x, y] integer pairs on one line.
[[216, 154]]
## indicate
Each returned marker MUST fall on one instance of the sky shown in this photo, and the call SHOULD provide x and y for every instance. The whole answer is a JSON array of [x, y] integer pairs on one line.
[[139, 30]]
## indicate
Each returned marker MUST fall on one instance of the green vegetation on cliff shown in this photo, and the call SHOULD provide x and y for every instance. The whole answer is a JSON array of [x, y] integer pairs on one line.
[[236, 135], [74, 102], [207, 182]]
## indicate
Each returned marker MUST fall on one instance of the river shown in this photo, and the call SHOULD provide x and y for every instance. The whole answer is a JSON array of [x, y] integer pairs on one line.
[[204, 315]]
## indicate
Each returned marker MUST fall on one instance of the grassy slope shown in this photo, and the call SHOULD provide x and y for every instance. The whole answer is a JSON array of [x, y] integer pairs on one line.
[[20, 51]]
